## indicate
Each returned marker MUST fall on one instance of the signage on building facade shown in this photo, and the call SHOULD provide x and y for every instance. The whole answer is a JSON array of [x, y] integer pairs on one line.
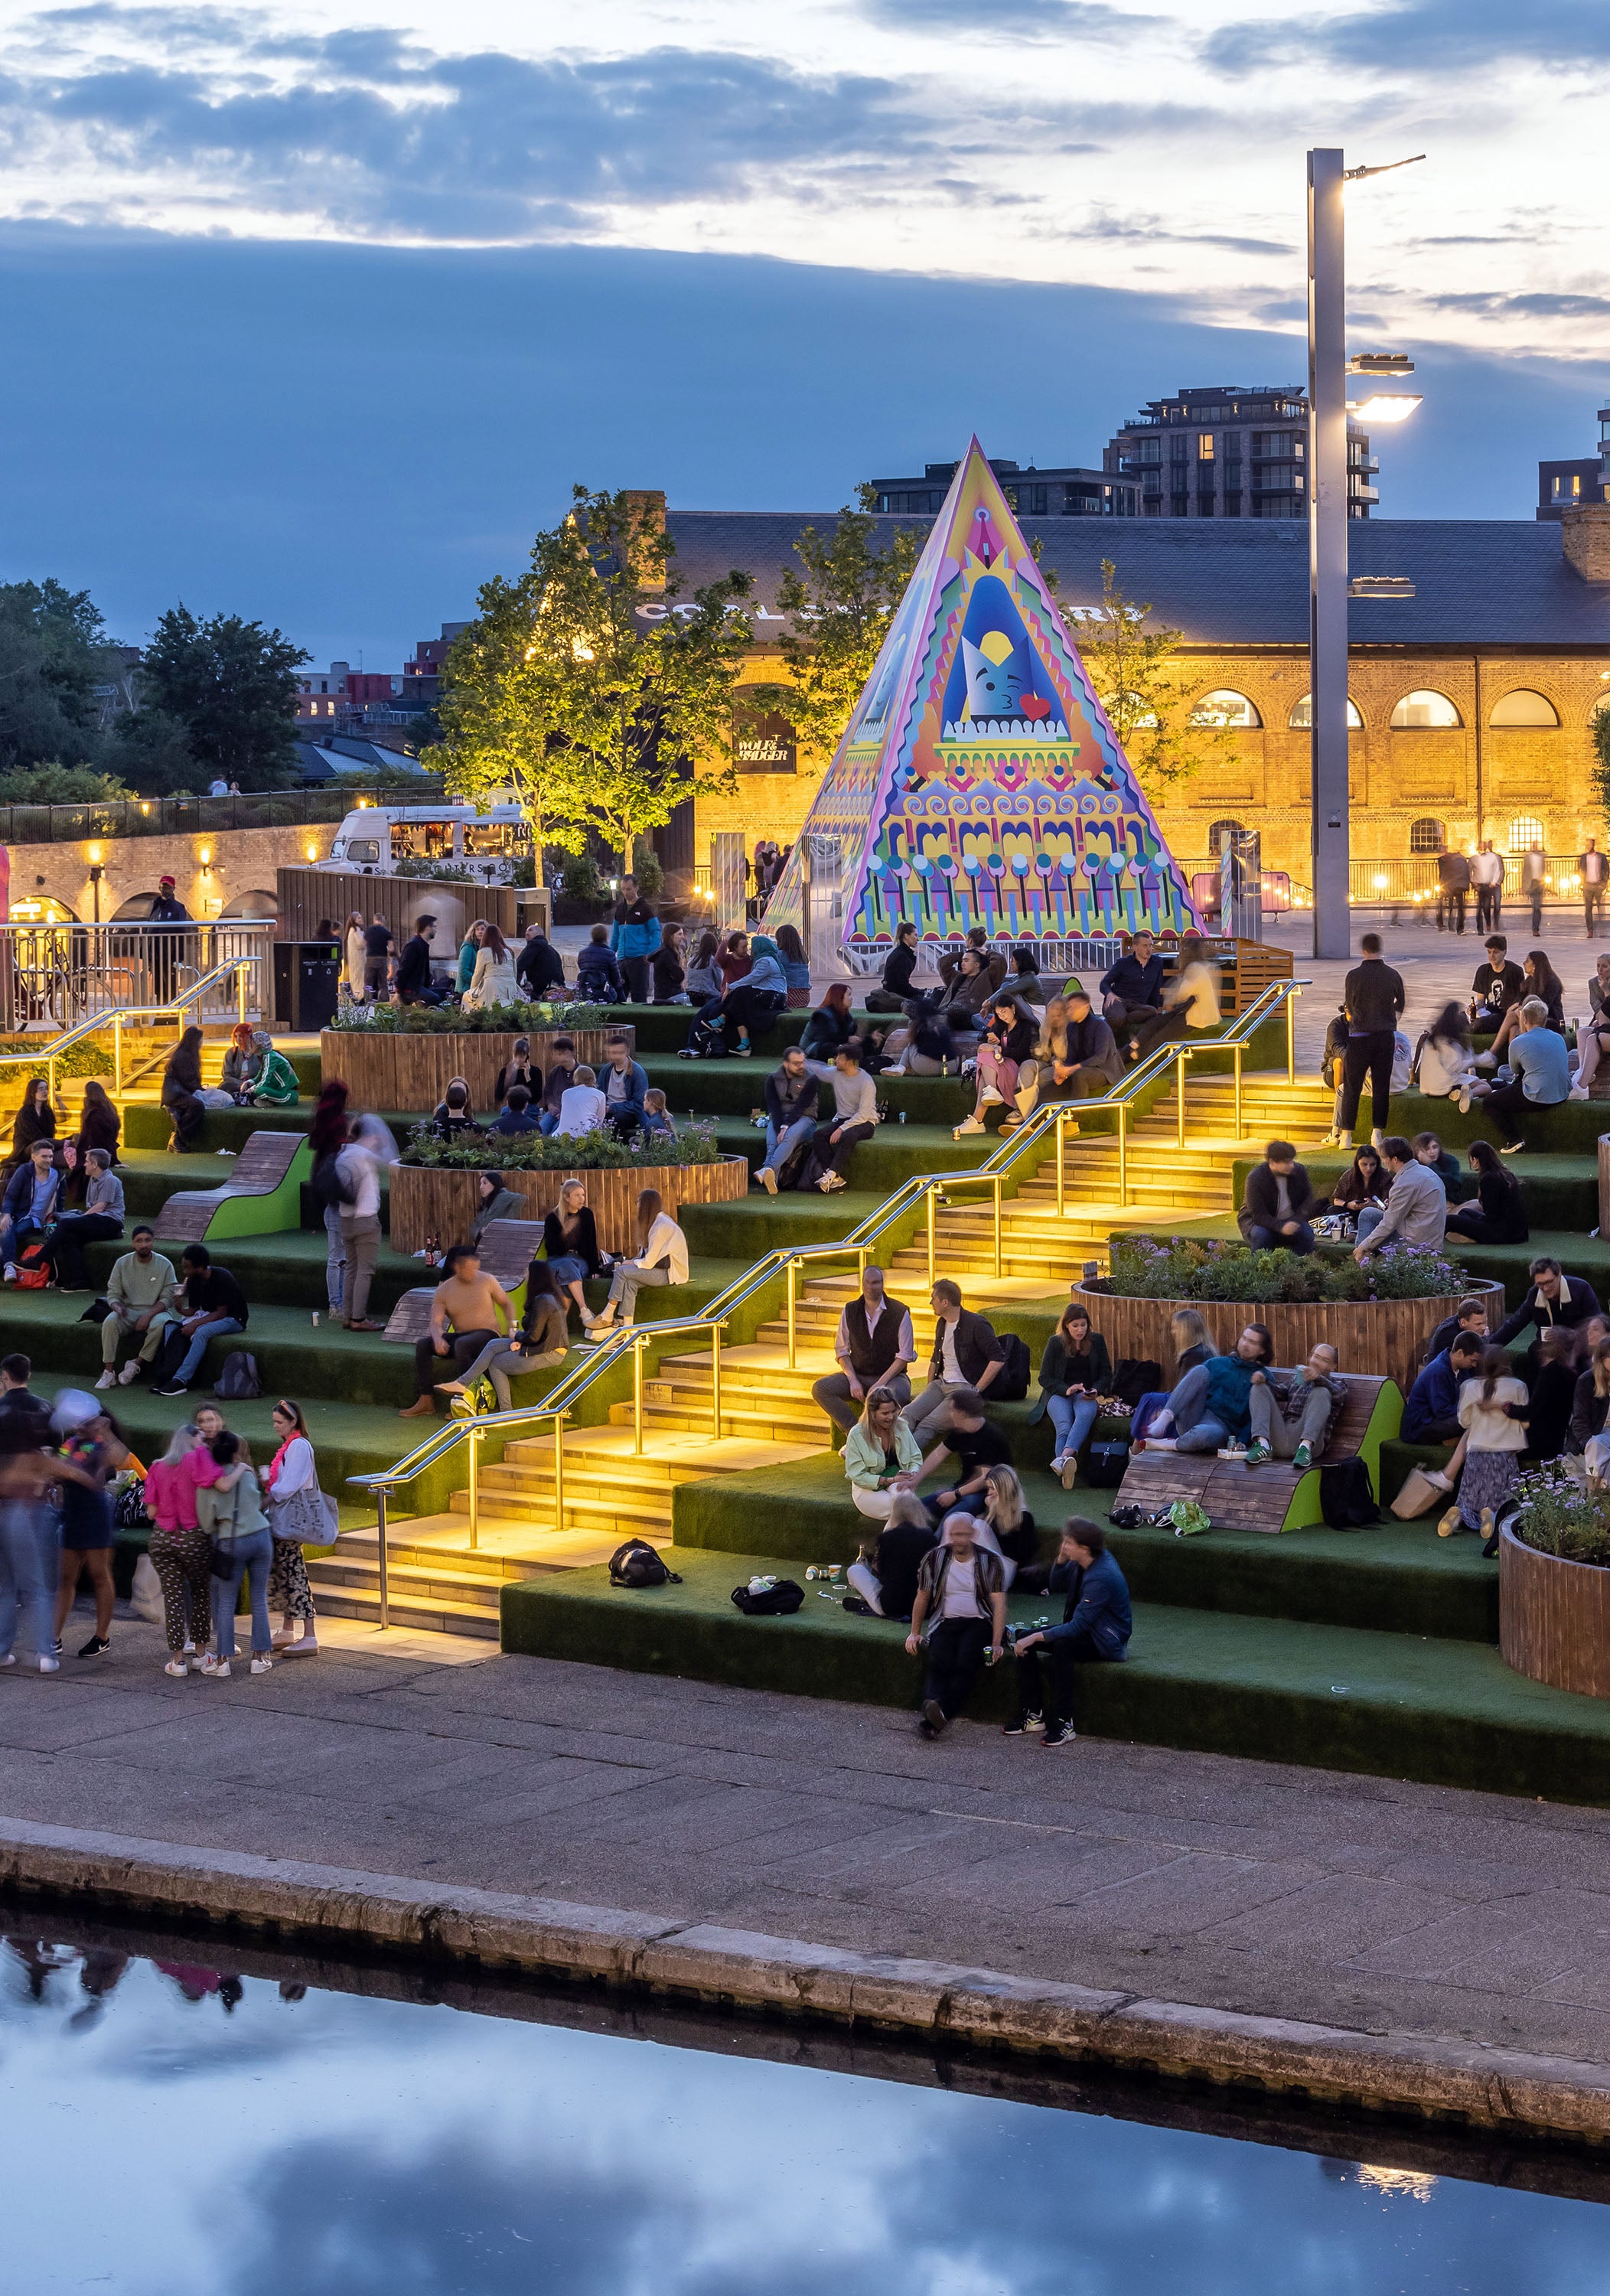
[[762, 742]]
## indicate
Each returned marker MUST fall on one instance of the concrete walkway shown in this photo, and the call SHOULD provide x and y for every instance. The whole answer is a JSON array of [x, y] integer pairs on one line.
[[1354, 1902]]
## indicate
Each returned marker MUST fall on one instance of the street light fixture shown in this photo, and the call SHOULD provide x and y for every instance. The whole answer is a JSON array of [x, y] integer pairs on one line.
[[1328, 366]]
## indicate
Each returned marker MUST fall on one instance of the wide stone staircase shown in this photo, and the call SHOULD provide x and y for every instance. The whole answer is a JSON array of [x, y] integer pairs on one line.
[[612, 1490]]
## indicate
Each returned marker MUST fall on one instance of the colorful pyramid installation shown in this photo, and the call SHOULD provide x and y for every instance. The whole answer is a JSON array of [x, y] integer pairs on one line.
[[979, 781]]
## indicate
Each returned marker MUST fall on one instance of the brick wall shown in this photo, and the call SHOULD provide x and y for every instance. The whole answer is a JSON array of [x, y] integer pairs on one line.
[[242, 861]]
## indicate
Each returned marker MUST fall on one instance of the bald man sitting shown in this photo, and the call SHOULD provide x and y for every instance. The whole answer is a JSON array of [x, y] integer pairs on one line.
[[1291, 1418]]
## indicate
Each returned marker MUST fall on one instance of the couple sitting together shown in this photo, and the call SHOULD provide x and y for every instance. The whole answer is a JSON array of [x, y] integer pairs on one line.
[[1222, 1402]]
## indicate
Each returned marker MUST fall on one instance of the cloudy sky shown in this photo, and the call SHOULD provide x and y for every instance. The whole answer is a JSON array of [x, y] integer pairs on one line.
[[320, 313]]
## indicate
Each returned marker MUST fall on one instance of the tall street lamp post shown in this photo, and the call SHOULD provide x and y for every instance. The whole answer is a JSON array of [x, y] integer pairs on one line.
[[1328, 408]]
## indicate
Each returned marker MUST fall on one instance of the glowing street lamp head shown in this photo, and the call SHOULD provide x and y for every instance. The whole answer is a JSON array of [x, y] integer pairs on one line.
[[1385, 407]]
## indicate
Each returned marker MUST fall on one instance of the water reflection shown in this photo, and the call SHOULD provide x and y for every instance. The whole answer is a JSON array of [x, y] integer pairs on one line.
[[169, 2125]]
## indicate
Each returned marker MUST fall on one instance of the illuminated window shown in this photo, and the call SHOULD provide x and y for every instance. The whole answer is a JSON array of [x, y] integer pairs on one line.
[[1225, 707], [1525, 832], [1422, 709], [1219, 829], [1205, 447], [1524, 706], [1301, 717], [1426, 836]]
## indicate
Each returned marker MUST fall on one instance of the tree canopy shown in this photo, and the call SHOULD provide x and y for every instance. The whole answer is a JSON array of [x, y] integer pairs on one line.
[[54, 654], [589, 687], [231, 685]]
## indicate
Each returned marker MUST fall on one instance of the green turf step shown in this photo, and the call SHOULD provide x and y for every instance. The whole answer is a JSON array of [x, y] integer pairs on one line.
[[1387, 1704]]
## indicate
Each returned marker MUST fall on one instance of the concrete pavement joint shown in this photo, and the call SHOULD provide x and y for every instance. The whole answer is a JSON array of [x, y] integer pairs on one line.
[[1556, 2096]]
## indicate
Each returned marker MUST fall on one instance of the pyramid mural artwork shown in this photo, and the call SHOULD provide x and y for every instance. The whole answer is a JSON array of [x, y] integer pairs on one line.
[[979, 781]]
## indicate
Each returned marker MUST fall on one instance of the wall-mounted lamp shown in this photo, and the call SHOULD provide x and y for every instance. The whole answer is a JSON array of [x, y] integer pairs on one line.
[[97, 872], [205, 856]]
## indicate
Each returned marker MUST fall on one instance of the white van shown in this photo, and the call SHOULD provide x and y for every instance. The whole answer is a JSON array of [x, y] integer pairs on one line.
[[374, 838]]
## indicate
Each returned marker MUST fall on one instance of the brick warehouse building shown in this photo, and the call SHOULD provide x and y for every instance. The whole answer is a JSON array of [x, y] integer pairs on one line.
[[1475, 687]]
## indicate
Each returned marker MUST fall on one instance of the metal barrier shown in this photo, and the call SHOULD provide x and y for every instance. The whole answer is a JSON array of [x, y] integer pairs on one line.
[[929, 1190], [95, 1024], [63, 974]]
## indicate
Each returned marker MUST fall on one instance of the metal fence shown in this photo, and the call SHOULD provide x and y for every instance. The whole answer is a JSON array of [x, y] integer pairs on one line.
[[169, 817], [53, 976]]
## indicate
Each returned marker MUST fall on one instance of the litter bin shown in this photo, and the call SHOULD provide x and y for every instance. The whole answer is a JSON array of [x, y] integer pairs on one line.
[[306, 977]]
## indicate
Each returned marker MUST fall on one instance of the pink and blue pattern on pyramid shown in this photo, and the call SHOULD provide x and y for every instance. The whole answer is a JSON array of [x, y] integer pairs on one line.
[[979, 781]]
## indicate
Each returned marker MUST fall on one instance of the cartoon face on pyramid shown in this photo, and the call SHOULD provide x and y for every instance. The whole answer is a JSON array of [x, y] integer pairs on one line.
[[979, 781]]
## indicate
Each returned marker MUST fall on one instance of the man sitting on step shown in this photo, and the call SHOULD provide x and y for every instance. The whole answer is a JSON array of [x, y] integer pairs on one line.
[[875, 1350], [791, 1094], [1211, 1407], [470, 1306], [967, 1354], [1275, 1210], [1291, 1418]]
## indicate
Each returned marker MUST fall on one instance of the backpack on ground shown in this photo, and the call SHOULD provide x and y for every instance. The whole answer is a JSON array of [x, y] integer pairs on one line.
[[237, 1382], [1104, 1465], [1135, 1376], [331, 1187], [1346, 1495], [1010, 1383], [777, 1602], [636, 1565]]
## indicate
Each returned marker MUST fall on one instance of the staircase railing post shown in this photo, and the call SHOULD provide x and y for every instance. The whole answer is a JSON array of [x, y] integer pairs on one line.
[[1291, 1036], [1124, 1152], [997, 1179], [380, 1545], [1237, 1091], [474, 1488], [1180, 1095], [558, 1470], [793, 1295], [930, 1203], [715, 1384], [116, 1053], [637, 1396], [240, 992], [1061, 1177]]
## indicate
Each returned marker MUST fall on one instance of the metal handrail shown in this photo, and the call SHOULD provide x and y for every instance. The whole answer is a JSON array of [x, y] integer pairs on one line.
[[787, 1260], [93, 1023]]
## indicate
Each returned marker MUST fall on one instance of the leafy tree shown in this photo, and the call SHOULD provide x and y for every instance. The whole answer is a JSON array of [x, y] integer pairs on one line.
[[55, 783], [590, 687], [151, 752], [1601, 755], [840, 601], [232, 685], [54, 654], [1130, 664]]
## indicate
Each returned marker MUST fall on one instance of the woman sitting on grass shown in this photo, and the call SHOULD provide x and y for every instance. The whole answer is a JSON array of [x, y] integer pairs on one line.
[[881, 1455], [1499, 1214]]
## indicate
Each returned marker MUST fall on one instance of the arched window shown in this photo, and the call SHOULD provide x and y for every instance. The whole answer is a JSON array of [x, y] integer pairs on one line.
[[1426, 836], [41, 909], [1225, 707], [1301, 719], [136, 910], [1423, 708], [1524, 706], [256, 904], [1525, 831], [1218, 829]]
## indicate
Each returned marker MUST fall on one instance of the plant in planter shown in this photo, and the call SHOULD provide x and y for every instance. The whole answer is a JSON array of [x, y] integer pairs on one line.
[[535, 1151], [455, 1021], [1561, 1514], [1179, 1267]]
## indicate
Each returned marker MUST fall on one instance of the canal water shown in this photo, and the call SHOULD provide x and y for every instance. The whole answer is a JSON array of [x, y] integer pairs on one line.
[[170, 2127]]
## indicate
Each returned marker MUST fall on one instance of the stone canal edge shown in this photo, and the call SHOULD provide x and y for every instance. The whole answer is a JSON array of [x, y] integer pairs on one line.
[[938, 2003]]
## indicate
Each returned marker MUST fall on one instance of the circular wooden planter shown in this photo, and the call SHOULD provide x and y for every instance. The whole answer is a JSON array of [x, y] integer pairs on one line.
[[426, 1199], [410, 1074], [1554, 1618], [1382, 1337]]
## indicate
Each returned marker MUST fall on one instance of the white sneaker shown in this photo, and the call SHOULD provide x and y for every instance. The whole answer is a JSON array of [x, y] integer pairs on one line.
[[215, 1669], [262, 1666], [768, 1179], [1577, 1092], [990, 1098], [969, 1124], [189, 1650], [306, 1646], [49, 1665], [177, 1669], [11, 1271], [129, 1373], [109, 1378], [1486, 1060], [8, 1659], [1376, 1138], [1465, 1099]]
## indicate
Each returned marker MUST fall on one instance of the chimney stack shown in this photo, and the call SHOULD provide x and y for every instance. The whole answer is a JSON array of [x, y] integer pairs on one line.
[[647, 508], [1586, 532]]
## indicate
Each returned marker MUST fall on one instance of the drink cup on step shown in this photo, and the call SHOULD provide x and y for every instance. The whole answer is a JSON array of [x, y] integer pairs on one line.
[[315, 1319]]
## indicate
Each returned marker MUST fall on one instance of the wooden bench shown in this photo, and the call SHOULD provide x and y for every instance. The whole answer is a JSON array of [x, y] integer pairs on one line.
[[262, 1195], [507, 1249], [1277, 1496]]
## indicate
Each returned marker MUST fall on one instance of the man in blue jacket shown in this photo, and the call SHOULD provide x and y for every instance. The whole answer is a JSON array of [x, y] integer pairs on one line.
[[1131, 989], [1212, 1405], [1432, 1413], [1096, 1627]]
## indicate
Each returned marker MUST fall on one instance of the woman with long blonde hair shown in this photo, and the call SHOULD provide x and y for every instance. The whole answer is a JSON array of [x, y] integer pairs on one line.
[[356, 955]]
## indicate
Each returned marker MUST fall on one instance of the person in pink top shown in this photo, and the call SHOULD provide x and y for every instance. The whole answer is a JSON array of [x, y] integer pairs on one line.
[[181, 1553]]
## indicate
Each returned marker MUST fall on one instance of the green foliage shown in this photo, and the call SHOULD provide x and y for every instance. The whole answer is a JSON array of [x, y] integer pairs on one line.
[[54, 654], [456, 1020], [445, 872], [1129, 661], [55, 783], [586, 1151], [840, 601], [1146, 1267], [88, 1058], [1600, 768], [151, 750], [590, 710], [1561, 1515], [582, 881], [232, 685]]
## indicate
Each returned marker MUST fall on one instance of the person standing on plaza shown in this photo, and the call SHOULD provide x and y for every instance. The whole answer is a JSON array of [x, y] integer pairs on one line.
[[377, 959], [1592, 868], [1097, 1623], [960, 1615], [1535, 877], [636, 940], [359, 1212], [297, 1517], [28, 1520], [875, 1352], [230, 1511], [354, 956], [1453, 889], [1487, 876], [169, 913], [93, 1448], [1373, 996], [179, 1552]]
